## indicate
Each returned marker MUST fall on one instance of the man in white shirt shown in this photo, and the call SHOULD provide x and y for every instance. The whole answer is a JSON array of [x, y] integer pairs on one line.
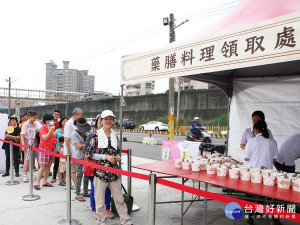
[[249, 132], [68, 130], [289, 151]]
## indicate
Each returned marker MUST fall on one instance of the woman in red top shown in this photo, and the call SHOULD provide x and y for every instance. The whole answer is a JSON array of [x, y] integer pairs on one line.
[[47, 142]]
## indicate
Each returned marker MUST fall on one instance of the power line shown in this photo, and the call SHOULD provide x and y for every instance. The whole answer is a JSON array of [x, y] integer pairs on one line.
[[208, 12]]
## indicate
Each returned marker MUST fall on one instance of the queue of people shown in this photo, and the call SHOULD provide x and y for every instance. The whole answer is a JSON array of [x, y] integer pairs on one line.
[[74, 136]]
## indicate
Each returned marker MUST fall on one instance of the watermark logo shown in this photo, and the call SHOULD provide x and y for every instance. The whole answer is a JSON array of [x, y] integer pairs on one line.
[[233, 211]]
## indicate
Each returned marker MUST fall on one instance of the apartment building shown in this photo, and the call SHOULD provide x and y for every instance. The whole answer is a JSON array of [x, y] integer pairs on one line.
[[142, 88], [66, 79]]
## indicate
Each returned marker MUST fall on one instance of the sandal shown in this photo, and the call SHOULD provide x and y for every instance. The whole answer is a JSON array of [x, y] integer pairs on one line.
[[80, 198], [86, 195], [37, 187], [53, 181], [47, 185]]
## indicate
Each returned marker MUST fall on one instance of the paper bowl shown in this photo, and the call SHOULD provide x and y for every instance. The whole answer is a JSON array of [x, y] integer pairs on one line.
[[222, 171], [178, 163], [196, 165], [284, 183], [186, 165], [256, 177], [245, 175], [269, 179], [234, 173], [296, 184], [211, 169]]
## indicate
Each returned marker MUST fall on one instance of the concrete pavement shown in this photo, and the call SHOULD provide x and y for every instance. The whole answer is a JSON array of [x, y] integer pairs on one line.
[[51, 208]]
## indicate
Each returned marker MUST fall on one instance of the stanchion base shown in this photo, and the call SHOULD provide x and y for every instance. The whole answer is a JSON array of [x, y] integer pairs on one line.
[[31, 197], [73, 222], [12, 182], [135, 208]]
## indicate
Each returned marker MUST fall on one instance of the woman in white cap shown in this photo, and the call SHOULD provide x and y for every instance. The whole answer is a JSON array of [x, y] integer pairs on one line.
[[110, 215], [106, 143]]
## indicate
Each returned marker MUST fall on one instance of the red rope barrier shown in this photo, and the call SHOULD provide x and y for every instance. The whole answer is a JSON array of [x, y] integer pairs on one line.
[[217, 197], [226, 199], [4, 141]]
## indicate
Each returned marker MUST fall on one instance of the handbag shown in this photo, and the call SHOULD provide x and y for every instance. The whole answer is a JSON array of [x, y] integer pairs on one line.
[[128, 199], [87, 170], [5, 145]]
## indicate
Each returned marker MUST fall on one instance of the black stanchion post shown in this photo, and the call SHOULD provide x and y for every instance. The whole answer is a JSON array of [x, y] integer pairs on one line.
[[152, 198], [12, 177], [68, 221], [31, 196]]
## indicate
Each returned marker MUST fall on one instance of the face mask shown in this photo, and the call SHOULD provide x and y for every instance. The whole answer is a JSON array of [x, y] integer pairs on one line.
[[50, 123]]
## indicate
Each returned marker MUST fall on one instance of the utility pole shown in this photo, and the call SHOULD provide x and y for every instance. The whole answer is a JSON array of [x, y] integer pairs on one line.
[[171, 81], [171, 22], [9, 87], [178, 103]]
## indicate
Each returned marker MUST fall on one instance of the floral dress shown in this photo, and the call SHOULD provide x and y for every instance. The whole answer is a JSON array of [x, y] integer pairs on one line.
[[93, 148]]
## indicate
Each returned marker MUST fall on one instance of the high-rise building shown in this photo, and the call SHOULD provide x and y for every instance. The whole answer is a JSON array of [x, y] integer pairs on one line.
[[66, 79], [142, 88]]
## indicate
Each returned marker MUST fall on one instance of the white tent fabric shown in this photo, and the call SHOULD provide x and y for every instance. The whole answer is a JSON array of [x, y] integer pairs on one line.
[[277, 97], [3, 126]]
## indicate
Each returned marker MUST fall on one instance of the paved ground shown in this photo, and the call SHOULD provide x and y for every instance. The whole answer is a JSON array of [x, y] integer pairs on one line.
[[51, 208], [138, 137]]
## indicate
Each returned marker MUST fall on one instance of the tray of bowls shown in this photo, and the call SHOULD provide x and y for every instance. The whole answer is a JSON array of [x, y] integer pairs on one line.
[[221, 165]]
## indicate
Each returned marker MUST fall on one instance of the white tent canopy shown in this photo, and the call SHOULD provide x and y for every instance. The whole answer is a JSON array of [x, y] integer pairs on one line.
[[256, 64], [217, 59]]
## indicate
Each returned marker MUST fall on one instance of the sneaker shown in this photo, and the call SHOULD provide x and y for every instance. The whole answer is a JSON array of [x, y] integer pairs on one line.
[[17, 175], [62, 184], [110, 215], [94, 215], [5, 174], [25, 178]]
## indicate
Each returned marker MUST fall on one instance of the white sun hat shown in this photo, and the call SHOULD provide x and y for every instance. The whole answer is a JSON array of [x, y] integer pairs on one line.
[[107, 113]]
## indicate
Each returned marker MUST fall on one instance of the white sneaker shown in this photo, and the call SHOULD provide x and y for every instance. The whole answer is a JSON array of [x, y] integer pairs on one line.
[[110, 215], [25, 178]]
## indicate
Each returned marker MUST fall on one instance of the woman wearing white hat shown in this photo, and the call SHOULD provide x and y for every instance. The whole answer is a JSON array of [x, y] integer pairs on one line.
[[106, 143]]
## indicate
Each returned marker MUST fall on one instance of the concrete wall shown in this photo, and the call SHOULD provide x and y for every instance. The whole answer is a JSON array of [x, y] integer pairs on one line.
[[207, 104]]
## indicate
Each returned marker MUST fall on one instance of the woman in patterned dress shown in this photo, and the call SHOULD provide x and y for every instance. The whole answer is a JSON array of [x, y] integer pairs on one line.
[[106, 143]]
